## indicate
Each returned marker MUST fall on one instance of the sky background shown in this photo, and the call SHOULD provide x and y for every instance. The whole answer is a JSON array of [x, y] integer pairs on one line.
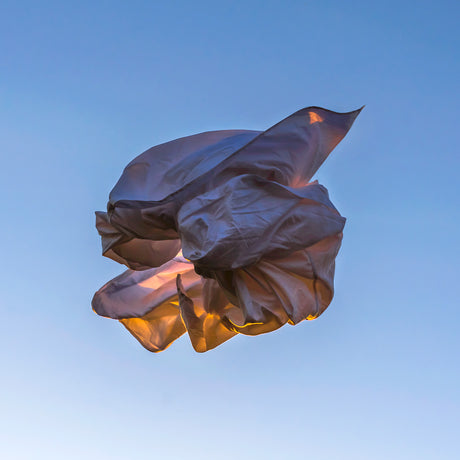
[[86, 86]]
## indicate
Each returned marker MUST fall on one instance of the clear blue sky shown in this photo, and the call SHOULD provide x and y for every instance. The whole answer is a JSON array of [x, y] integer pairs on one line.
[[86, 86]]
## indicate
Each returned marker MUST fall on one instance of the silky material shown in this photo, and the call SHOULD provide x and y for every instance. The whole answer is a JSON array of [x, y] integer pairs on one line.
[[224, 233]]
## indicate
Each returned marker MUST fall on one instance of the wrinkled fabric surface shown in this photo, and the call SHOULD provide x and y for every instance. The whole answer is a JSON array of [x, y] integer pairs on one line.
[[224, 233]]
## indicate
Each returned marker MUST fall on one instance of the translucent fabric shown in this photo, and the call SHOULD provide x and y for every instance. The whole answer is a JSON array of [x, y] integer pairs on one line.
[[224, 233]]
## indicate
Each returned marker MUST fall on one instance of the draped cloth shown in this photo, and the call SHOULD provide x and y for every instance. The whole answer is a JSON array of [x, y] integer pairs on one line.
[[224, 233]]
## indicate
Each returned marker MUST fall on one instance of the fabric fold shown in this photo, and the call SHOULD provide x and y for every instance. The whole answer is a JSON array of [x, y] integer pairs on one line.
[[202, 308], [135, 253], [147, 303], [276, 291], [167, 168], [248, 218]]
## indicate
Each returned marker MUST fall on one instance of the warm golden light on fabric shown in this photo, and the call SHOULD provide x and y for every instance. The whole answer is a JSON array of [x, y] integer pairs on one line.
[[315, 118]]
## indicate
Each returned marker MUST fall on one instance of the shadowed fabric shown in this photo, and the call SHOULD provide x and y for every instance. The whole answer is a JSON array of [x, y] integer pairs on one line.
[[224, 233]]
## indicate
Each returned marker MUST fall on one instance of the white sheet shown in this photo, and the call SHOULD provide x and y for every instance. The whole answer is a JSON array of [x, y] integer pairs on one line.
[[223, 233]]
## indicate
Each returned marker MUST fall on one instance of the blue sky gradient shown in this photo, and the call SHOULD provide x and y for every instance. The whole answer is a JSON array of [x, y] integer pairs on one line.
[[86, 86]]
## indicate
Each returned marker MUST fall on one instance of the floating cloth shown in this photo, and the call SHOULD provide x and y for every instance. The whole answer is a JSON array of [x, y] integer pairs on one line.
[[223, 233]]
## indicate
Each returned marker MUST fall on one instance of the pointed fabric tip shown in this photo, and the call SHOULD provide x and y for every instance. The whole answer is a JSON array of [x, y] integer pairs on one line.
[[357, 112]]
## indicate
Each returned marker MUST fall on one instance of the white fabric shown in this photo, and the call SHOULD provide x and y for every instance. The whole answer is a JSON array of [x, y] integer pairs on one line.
[[224, 233]]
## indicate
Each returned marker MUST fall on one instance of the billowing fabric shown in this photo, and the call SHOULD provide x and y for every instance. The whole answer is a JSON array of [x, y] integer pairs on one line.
[[224, 233]]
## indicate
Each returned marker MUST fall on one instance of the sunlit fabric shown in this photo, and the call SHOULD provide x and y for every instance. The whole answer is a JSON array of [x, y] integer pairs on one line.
[[224, 233]]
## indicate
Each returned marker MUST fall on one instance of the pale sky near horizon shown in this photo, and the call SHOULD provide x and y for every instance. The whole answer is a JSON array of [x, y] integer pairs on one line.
[[86, 86]]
